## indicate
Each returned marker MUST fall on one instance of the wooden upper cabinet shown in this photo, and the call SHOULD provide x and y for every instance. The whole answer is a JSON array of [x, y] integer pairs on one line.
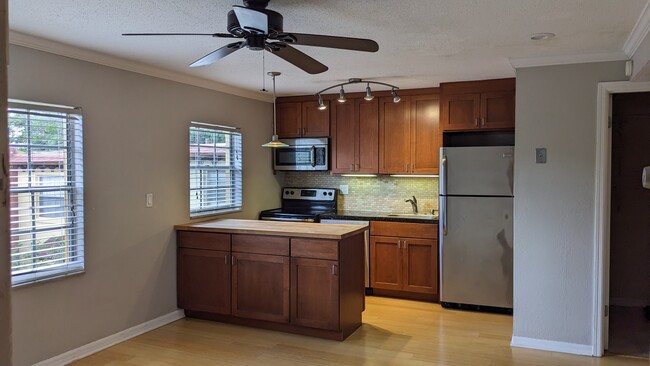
[[344, 137], [409, 135], [477, 105], [498, 110], [394, 136], [461, 111], [289, 119], [302, 119], [425, 144], [355, 136], [315, 122]]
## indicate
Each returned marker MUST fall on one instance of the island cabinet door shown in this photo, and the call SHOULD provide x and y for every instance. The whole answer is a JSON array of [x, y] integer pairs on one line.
[[260, 287], [385, 263], [315, 293], [204, 280]]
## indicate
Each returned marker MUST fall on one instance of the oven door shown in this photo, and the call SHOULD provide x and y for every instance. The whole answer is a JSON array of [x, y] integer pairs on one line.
[[301, 157]]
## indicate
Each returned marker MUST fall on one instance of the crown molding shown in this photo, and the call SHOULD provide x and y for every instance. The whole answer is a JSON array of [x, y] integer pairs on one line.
[[41, 44], [521, 62], [639, 32]]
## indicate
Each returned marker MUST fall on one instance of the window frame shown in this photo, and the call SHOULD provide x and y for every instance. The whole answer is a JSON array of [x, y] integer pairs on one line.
[[234, 171], [71, 222]]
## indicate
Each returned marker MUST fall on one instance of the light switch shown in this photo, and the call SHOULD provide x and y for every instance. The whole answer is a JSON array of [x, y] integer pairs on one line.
[[540, 155], [149, 200], [344, 188]]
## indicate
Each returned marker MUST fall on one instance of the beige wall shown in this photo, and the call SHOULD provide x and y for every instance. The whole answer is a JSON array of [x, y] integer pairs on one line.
[[135, 141], [554, 202], [641, 61], [5, 301]]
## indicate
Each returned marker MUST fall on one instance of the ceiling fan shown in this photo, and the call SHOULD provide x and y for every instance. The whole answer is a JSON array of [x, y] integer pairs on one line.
[[261, 29]]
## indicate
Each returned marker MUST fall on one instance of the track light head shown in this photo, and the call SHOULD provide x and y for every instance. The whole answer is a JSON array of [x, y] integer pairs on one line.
[[341, 95], [321, 104], [369, 95], [396, 97]]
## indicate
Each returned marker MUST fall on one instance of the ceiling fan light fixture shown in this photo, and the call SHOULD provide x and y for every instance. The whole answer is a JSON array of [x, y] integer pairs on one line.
[[369, 95], [396, 98], [275, 142], [341, 98], [321, 104]]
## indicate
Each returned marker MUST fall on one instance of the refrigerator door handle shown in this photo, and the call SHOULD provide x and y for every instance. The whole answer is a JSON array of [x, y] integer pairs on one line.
[[443, 174], [443, 213]]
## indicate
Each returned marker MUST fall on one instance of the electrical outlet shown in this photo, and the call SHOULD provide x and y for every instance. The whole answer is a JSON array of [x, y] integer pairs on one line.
[[540, 155], [344, 188], [149, 200]]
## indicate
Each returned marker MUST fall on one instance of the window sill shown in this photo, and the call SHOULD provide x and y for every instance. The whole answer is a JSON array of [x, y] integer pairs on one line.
[[207, 215]]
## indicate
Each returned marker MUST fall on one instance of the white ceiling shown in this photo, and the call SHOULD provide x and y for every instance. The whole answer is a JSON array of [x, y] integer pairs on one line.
[[421, 42]]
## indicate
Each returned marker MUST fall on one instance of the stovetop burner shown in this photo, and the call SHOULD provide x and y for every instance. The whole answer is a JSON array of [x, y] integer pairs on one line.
[[303, 204]]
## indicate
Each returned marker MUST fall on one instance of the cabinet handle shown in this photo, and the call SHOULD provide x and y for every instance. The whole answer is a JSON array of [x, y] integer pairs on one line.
[[334, 270], [225, 258], [476, 121], [399, 244], [351, 167], [298, 131], [405, 244], [304, 130], [406, 168], [357, 167], [482, 121], [233, 260]]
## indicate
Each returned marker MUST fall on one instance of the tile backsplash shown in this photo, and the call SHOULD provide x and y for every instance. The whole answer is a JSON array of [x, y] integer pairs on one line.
[[376, 194]]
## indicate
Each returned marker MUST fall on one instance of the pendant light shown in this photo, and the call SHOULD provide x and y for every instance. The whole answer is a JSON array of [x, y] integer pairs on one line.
[[274, 143]]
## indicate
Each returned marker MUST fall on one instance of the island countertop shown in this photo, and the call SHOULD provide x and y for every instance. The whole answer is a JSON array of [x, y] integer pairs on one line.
[[276, 228]]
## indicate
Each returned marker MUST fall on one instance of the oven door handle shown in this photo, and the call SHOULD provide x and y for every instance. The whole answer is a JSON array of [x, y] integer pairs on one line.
[[312, 156], [286, 219]]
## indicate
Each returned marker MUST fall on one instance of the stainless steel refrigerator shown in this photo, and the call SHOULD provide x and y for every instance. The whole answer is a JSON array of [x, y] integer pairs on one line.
[[476, 204]]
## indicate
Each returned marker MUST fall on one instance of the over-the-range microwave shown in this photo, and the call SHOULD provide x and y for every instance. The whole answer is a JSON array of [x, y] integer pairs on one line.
[[302, 154]]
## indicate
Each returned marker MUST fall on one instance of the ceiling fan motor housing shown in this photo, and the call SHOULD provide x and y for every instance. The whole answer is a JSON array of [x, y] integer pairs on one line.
[[275, 23]]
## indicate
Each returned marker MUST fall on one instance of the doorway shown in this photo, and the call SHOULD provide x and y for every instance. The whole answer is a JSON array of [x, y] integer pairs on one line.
[[629, 255]]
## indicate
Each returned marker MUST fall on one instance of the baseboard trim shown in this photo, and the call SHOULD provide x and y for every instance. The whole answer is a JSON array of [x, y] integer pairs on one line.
[[111, 340], [545, 345]]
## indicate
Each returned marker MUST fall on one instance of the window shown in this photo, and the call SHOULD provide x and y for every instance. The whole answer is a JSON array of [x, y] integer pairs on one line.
[[215, 169], [46, 191]]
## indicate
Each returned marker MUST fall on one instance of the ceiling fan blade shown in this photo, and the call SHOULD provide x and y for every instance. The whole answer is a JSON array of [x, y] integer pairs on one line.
[[298, 58], [252, 20], [346, 43], [219, 35], [217, 55]]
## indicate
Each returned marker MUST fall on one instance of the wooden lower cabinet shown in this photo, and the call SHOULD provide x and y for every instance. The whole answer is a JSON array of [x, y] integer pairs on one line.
[[204, 280], [404, 259], [260, 287], [315, 293]]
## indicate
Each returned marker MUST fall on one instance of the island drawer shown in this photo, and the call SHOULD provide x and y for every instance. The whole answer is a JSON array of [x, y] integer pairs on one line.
[[202, 240], [260, 244], [404, 229], [315, 248]]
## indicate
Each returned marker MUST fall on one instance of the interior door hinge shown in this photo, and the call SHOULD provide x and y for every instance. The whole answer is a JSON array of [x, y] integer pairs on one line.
[[606, 310]]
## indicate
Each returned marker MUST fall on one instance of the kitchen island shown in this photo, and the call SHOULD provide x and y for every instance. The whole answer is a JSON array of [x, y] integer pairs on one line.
[[298, 277]]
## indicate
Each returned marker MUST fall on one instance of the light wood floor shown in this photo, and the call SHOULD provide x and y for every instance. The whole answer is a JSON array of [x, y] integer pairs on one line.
[[395, 332]]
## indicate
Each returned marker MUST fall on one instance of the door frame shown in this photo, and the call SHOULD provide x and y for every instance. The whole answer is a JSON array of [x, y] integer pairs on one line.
[[603, 204]]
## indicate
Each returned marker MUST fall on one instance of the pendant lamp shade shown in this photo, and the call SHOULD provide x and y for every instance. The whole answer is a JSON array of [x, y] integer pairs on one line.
[[275, 142]]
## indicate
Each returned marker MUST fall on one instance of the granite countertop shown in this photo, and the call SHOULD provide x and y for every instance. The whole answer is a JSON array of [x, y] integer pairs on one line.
[[382, 216], [277, 228]]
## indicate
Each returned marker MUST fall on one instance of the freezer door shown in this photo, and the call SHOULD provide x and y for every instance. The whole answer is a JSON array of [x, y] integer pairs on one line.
[[477, 171], [476, 250]]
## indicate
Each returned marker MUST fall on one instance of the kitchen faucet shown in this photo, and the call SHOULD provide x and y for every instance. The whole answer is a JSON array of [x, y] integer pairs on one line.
[[414, 204]]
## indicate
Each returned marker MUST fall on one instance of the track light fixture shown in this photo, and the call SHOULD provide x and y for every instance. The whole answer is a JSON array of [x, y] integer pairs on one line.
[[341, 95], [368, 96], [321, 104], [396, 97]]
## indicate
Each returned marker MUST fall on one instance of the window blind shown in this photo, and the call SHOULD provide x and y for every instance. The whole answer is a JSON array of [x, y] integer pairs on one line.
[[215, 169], [46, 191]]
